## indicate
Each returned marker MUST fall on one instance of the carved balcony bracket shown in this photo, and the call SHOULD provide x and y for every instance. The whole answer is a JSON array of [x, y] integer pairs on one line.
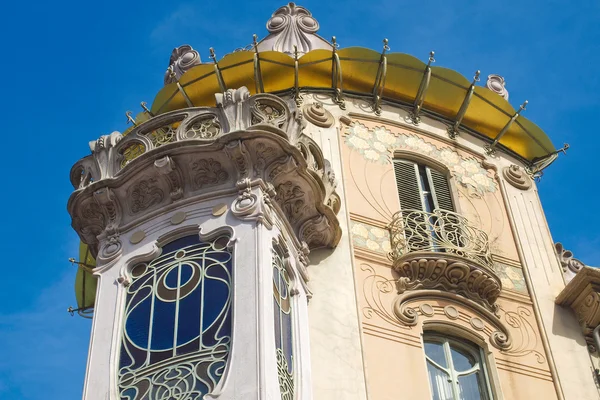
[[570, 265], [582, 295], [442, 251]]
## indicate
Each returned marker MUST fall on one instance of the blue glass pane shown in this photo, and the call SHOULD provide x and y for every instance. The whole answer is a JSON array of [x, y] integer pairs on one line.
[[277, 324], [180, 243], [287, 338], [181, 299]]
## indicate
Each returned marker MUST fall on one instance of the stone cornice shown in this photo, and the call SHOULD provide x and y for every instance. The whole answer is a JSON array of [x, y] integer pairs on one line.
[[582, 295]]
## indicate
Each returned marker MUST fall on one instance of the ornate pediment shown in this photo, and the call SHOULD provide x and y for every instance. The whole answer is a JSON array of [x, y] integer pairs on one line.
[[247, 141]]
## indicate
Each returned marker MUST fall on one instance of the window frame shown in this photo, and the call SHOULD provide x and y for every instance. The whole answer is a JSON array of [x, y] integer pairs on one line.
[[450, 342]]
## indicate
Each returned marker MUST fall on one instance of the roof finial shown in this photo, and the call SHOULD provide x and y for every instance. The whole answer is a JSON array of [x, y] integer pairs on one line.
[[290, 26], [497, 85], [182, 58]]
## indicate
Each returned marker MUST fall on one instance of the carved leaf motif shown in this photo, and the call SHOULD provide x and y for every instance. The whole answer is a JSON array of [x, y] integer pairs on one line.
[[208, 172], [145, 194], [268, 112], [291, 199]]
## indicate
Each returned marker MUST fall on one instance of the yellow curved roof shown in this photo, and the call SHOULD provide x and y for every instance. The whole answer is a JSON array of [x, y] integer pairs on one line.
[[487, 113], [85, 282]]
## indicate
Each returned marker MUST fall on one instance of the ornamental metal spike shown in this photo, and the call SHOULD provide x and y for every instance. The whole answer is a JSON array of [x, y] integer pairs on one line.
[[213, 57], [130, 119], [414, 115], [297, 96], [145, 107], [453, 130], [336, 76], [258, 82], [491, 149], [380, 79]]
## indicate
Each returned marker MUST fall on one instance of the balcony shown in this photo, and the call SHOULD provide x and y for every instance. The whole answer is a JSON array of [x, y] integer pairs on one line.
[[442, 250]]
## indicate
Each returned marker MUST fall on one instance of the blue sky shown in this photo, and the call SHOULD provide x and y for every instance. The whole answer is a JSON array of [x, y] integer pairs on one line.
[[71, 69]]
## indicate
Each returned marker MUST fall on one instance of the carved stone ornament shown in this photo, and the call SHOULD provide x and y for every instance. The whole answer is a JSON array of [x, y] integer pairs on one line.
[[582, 295], [449, 273], [292, 26], [248, 145], [497, 85], [566, 259], [317, 115], [517, 177], [182, 59]]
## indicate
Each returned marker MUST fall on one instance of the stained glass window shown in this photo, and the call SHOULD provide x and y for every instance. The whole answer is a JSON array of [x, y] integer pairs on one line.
[[456, 369], [283, 326], [177, 324]]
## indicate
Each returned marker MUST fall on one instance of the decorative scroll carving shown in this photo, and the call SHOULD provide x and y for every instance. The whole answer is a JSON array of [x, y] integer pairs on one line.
[[525, 338], [252, 205], [517, 177], [203, 128], [317, 115], [401, 313], [566, 259], [294, 25], [144, 195], [182, 59], [291, 199], [167, 167], [208, 172], [449, 273], [316, 231], [266, 154], [497, 85], [269, 110]]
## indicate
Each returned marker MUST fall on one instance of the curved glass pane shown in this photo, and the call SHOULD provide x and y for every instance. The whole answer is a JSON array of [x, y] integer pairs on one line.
[[282, 306], [177, 328], [462, 359], [435, 351]]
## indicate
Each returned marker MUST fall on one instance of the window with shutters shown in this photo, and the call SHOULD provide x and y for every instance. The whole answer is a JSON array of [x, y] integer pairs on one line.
[[427, 208]]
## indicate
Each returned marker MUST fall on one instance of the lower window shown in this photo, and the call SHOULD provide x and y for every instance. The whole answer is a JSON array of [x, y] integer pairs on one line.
[[456, 369]]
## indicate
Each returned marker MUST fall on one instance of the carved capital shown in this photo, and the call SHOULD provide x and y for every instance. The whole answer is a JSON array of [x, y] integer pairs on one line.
[[252, 204]]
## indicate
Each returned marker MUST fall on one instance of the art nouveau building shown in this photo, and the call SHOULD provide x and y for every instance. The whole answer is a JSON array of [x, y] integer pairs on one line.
[[299, 221]]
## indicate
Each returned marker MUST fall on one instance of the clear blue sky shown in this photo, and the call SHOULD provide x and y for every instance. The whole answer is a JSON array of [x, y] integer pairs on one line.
[[70, 70]]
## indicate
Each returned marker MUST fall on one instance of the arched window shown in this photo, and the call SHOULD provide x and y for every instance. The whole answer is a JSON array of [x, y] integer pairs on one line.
[[284, 335], [456, 369], [177, 325]]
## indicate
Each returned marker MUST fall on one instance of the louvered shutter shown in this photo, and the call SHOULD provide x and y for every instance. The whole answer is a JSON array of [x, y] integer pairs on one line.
[[441, 190], [451, 229], [409, 193], [407, 182]]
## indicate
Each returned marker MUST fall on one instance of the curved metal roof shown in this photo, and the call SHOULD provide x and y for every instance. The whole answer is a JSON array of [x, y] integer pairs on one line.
[[395, 77]]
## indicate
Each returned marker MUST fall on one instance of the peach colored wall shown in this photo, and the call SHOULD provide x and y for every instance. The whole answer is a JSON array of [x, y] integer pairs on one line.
[[393, 348]]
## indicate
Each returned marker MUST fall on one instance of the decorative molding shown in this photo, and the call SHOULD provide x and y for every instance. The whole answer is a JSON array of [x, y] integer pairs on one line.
[[450, 273], [566, 259], [317, 115], [497, 85], [182, 59], [145, 194], [376, 145], [517, 177], [259, 138], [208, 172], [168, 168], [582, 295]]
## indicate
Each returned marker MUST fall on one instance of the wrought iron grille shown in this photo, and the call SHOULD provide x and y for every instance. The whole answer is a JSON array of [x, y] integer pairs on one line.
[[177, 328], [438, 231], [283, 327]]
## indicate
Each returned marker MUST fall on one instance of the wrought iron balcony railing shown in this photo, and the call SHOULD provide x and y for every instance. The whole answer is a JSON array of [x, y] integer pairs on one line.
[[438, 231]]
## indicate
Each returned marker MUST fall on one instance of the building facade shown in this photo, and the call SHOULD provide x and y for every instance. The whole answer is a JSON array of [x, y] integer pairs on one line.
[[298, 221]]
